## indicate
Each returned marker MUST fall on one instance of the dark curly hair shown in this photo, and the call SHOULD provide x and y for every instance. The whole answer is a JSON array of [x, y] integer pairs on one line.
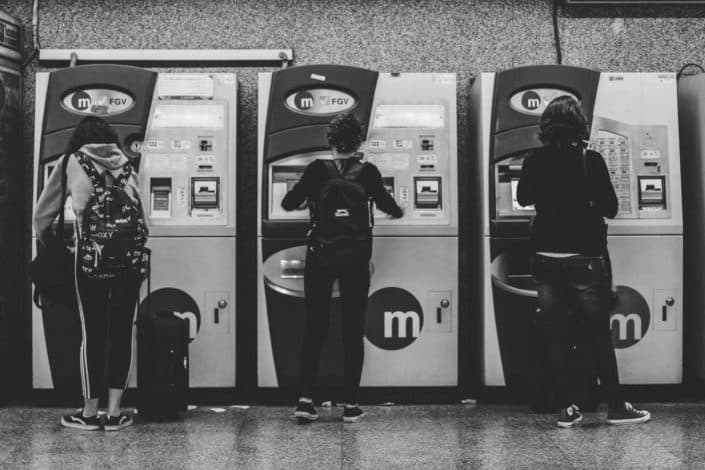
[[563, 123], [345, 133], [91, 130]]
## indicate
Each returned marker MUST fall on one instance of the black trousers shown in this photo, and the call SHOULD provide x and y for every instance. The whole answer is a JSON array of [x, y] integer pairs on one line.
[[107, 312], [353, 275], [579, 284]]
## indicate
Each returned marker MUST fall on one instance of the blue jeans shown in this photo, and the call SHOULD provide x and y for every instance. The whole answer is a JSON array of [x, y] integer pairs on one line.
[[578, 284]]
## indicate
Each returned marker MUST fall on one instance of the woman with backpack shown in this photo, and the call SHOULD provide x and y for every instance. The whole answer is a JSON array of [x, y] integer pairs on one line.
[[110, 236], [572, 192], [339, 193]]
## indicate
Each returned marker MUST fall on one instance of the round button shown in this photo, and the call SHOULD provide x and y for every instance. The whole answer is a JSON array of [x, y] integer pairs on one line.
[[445, 303], [670, 301], [222, 303]]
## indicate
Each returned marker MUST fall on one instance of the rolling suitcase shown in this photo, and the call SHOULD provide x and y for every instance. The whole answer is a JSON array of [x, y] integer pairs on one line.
[[162, 360], [162, 365]]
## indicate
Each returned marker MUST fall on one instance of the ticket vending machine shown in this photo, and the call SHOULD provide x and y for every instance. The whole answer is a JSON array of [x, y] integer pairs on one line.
[[186, 169], [691, 110], [412, 314], [12, 209], [634, 125], [187, 183]]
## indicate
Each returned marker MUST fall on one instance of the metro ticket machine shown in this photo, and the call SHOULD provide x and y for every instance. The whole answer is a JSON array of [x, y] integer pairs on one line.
[[187, 182], [12, 209], [691, 109], [634, 125], [183, 126], [412, 314]]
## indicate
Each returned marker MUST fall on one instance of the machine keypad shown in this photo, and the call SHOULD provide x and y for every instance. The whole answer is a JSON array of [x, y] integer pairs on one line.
[[616, 150]]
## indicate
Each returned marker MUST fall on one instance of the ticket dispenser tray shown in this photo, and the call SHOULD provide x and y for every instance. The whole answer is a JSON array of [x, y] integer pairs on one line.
[[652, 193], [205, 195], [427, 194]]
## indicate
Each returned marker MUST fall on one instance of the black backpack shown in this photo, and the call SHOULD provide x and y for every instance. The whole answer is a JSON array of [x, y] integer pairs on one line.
[[341, 215], [113, 233]]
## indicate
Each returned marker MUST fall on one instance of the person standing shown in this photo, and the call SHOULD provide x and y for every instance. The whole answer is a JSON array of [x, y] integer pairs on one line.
[[572, 192], [340, 193], [109, 235]]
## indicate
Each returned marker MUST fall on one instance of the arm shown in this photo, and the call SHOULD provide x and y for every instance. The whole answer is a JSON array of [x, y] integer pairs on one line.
[[301, 191], [526, 189], [384, 201], [605, 197], [49, 205]]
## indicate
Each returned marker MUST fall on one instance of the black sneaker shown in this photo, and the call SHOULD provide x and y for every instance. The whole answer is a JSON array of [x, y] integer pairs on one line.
[[305, 412], [569, 417], [627, 414], [115, 423], [352, 414], [78, 421]]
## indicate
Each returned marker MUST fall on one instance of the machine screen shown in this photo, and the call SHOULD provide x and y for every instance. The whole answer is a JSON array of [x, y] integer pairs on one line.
[[507, 174], [428, 116], [283, 175], [515, 204]]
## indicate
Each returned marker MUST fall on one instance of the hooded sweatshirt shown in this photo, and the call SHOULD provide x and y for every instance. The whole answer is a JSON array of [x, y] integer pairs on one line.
[[108, 159]]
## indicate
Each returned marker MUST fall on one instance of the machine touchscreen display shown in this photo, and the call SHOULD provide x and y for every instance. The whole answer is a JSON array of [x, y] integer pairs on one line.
[[430, 116], [211, 116]]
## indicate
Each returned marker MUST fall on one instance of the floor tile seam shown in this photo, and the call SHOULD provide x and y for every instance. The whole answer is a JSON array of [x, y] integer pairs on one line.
[[564, 454], [240, 430]]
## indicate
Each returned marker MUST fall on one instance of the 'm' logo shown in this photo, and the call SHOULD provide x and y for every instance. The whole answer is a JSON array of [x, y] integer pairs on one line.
[[304, 100], [171, 301], [531, 100], [398, 324], [341, 213], [630, 318], [81, 100], [394, 318]]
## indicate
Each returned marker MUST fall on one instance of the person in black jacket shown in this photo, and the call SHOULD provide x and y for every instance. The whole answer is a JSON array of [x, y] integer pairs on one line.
[[572, 192], [348, 263]]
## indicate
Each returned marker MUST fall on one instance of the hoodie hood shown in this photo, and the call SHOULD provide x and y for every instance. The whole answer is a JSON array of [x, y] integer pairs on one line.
[[108, 156]]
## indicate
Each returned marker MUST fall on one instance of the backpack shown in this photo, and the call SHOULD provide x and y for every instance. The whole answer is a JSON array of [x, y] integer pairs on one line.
[[341, 215], [112, 241]]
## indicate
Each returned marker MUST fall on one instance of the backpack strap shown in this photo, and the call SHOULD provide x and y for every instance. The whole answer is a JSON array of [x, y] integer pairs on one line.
[[96, 178], [586, 179], [331, 169], [64, 166], [124, 176], [353, 171]]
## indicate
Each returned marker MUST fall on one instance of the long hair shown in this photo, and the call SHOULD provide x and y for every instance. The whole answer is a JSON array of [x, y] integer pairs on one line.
[[345, 133], [91, 130], [563, 123]]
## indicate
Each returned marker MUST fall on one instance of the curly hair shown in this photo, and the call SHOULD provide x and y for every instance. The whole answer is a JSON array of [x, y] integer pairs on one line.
[[91, 130], [563, 122], [345, 133]]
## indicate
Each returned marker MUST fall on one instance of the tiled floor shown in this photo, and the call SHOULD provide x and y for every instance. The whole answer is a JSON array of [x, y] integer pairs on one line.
[[452, 436]]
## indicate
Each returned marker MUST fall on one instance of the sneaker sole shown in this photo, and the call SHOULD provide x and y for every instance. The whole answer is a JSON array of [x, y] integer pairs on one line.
[[305, 415], [82, 427], [352, 419], [643, 419], [569, 424], [117, 427]]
